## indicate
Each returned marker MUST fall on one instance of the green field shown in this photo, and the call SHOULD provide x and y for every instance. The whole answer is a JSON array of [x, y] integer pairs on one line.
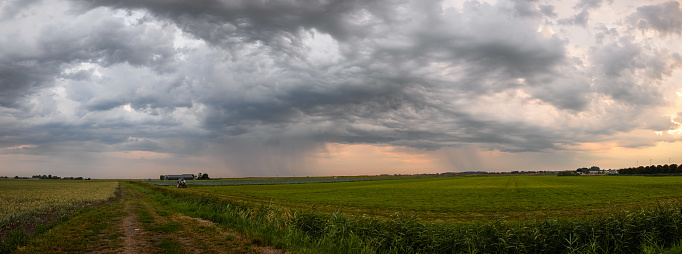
[[465, 198], [281, 180], [473, 214]]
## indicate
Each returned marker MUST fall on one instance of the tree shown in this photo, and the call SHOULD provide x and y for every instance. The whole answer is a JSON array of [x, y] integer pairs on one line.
[[161, 177], [568, 173], [583, 170], [204, 177]]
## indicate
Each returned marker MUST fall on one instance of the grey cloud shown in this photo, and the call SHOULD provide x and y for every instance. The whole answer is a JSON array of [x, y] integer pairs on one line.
[[582, 17], [220, 22], [105, 42], [661, 123], [11, 8], [493, 41], [526, 8], [621, 63], [548, 10], [615, 58], [590, 4], [579, 19], [665, 18], [678, 118], [605, 33], [19, 76]]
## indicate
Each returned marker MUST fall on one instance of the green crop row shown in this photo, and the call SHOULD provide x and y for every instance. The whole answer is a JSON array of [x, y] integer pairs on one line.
[[622, 231]]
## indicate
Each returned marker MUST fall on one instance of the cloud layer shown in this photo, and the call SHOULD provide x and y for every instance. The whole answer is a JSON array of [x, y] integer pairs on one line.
[[262, 85]]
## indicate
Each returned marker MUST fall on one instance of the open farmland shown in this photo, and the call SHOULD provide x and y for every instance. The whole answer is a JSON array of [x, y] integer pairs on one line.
[[465, 198], [22, 200], [283, 180], [496, 214]]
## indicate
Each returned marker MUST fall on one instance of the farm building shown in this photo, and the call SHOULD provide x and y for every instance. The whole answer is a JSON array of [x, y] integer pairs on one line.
[[178, 177]]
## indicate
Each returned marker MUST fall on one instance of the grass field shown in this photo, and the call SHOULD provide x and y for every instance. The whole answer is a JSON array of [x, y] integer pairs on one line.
[[466, 198], [22, 200]]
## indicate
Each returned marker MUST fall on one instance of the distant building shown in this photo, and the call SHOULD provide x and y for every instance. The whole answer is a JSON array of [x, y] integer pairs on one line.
[[178, 177]]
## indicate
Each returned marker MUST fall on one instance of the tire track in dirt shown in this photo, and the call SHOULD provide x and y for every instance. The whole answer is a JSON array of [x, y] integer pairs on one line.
[[133, 234]]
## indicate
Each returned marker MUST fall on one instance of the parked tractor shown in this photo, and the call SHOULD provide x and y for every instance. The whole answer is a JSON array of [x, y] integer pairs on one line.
[[182, 184]]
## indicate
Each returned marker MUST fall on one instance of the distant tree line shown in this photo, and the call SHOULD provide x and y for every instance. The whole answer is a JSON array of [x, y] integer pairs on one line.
[[44, 177], [57, 177], [568, 173], [587, 170], [649, 170]]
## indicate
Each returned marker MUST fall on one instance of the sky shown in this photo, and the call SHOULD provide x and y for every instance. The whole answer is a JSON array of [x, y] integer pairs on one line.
[[248, 88]]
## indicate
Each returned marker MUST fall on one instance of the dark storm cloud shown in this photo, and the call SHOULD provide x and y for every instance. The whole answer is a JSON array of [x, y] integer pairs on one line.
[[105, 42], [665, 18], [383, 71], [276, 79]]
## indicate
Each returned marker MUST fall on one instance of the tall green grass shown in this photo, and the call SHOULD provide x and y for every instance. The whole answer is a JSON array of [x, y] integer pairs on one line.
[[623, 231]]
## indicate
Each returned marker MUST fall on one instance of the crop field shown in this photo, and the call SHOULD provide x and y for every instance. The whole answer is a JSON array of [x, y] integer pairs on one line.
[[284, 180], [21, 200], [473, 214], [466, 198]]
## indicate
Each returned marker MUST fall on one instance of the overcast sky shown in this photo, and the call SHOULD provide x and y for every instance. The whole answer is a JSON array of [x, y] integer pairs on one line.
[[138, 88]]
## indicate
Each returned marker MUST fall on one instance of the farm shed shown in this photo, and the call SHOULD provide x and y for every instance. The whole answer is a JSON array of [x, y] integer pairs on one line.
[[178, 177]]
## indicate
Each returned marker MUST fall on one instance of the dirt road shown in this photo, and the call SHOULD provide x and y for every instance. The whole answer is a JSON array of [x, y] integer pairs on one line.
[[134, 223]]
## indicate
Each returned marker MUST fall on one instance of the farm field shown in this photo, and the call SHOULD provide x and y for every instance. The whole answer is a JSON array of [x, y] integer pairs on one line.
[[22, 200], [465, 198], [633, 215], [283, 180]]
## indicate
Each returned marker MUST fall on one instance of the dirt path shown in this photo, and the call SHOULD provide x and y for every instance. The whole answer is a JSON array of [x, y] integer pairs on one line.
[[135, 223], [149, 227], [133, 241]]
